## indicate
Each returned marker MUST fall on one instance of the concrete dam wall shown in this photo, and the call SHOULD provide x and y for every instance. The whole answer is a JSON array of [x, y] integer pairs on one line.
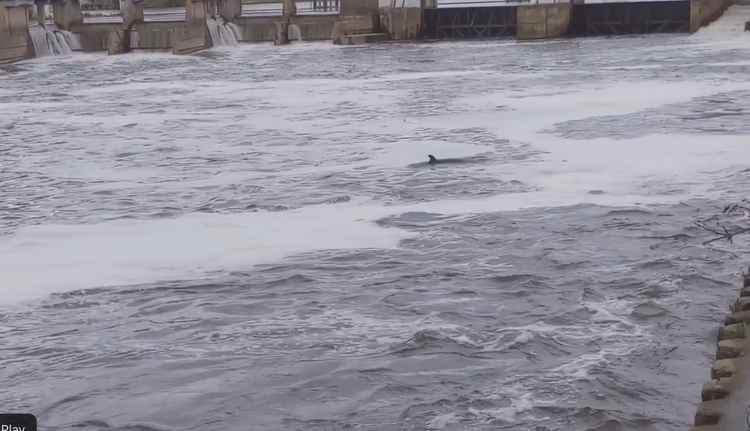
[[188, 26]]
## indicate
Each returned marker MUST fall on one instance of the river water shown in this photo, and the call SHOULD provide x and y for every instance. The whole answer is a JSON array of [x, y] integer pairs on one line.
[[249, 238]]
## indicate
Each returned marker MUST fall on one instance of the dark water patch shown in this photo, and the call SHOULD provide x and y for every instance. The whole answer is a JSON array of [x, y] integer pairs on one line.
[[648, 310], [723, 113]]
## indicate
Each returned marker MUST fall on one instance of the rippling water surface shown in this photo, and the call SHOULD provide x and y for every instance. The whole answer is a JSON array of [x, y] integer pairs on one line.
[[249, 238]]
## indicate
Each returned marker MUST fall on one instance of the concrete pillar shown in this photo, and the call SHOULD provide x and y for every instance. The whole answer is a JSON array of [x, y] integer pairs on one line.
[[230, 9], [132, 13], [118, 42], [39, 12], [14, 31], [193, 36], [212, 8], [67, 13], [281, 35], [195, 11], [290, 8], [544, 21]]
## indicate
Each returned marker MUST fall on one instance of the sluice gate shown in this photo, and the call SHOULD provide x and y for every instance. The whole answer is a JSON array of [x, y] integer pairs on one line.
[[469, 22], [542, 21], [600, 19]]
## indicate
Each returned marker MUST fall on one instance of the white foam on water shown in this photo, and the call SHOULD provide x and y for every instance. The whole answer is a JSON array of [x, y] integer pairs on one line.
[[38, 260], [518, 404], [442, 420]]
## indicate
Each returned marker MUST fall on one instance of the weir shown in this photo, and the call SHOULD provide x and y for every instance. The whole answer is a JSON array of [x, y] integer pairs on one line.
[[187, 26]]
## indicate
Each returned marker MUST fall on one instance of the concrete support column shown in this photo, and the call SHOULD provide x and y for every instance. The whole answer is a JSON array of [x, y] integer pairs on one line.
[[195, 11], [193, 36], [230, 9], [67, 13], [39, 11], [14, 32], [281, 35], [132, 13], [290, 8], [118, 42]]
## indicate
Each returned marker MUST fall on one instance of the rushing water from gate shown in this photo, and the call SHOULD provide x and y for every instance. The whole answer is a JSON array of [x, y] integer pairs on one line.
[[51, 41], [222, 33]]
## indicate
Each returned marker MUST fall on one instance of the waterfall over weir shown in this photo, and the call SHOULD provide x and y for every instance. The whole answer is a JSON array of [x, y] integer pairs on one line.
[[51, 41], [222, 33]]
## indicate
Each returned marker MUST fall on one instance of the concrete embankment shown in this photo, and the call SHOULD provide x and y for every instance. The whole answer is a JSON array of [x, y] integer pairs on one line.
[[726, 396]]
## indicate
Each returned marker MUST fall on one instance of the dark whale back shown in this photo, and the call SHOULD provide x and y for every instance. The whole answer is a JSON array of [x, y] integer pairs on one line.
[[432, 160]]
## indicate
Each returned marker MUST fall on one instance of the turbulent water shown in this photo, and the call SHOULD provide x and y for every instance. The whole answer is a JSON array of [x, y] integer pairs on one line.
[[222, 33], [250, 239], [51, 41]]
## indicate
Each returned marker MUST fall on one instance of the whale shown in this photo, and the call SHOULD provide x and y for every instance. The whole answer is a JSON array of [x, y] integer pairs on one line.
[[432, 161]]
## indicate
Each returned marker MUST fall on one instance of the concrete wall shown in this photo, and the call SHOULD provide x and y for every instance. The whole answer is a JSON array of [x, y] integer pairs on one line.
[[256, 29], [230, 9], [359, 7], [67, 14], [14, 34], [543, 21], [191, 38], [94, 37], [401, 23], [352, 25], [316, 28], [703, 12], [158, 36]]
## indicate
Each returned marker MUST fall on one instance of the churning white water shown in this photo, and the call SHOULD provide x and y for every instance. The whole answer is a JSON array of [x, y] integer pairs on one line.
[[222, 32], [51, 41]]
